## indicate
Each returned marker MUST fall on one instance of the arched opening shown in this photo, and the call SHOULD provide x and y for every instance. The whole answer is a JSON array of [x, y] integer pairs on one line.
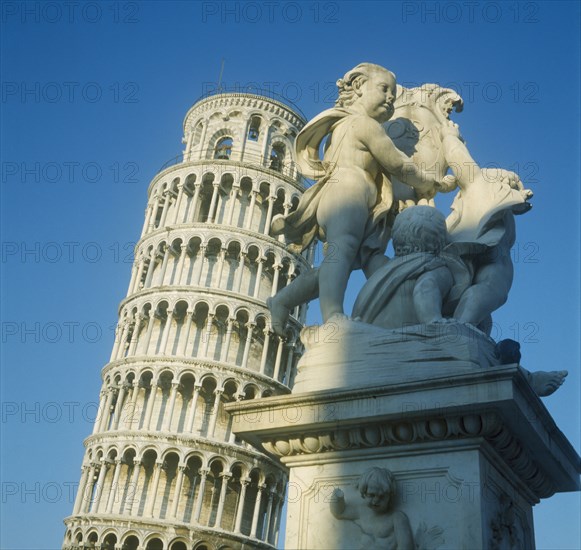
[[191, 489], [131, 543], [109, 542], [223, 149], [154, 544], [277, 155], [254, 129]]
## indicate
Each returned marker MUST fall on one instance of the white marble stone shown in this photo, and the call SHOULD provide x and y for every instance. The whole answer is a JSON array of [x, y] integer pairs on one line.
[[471, 454]]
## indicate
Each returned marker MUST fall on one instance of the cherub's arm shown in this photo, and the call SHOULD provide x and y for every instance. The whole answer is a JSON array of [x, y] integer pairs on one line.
[[391, 159], [339, 507], [458, 157], [403, 532]]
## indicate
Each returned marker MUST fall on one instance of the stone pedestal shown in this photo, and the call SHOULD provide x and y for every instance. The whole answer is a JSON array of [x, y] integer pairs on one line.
[[471, 453]]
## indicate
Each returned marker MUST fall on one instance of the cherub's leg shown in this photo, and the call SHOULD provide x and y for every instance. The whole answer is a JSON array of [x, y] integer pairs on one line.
[[429, 293], [545, 382], [303, 289], [376, 261], [344, 230], [489, 291]]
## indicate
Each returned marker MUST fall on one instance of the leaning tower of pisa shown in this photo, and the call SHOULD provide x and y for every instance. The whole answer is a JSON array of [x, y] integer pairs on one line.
[[162, 469]]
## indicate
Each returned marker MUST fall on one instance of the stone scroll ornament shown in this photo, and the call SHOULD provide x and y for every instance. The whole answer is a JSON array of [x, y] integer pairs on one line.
[[381, 526]]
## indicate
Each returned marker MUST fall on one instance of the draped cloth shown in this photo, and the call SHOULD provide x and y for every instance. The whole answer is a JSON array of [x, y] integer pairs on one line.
[[301, 227], [387, 281]]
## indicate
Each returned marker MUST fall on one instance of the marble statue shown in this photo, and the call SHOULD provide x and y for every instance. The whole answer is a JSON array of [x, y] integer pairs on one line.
[[381, 526], [387, 155], [352, 204]]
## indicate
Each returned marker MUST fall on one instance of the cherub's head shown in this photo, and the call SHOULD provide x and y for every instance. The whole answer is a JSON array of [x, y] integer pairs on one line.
[[370, 86], [377, 487], [508, 351], [419, 229]]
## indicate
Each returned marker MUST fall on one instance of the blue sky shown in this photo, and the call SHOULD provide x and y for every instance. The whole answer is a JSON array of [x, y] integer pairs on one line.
[[93, 100]]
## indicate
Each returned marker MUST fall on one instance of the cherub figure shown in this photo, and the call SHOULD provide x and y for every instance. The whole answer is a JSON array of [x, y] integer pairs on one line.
[[381, 527], [543, 382], [423, 283], [482, 229], [351, 206]]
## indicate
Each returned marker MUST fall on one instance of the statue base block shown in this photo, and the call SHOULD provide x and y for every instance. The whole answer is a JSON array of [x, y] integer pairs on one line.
[[470, 452], [345, 353]]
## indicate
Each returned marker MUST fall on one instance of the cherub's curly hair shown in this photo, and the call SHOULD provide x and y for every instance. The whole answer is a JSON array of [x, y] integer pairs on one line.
[[419, 229], [360, 73], [380, 477]]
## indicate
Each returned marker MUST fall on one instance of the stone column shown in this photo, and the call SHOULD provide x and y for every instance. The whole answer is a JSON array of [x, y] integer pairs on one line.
[[135, 335], [113, 490], [287, 207], [150, 325], [289, 362], [250, 216], [178, 203], [141, 267], [165, 335], [271, 200], [225, 478], [177, 492], [152, 492], [163, 269], [268, 515], [221, 259], [132, 278], [116, 341], [277, 268], [104, 425], [226, 346], [119, 407], [100, 480], [134, 481], [239, 272], [256, 290], [153, 214], [278, 359], [88, 495], [180, 268], [87, 473], [100, 411], [192, 409], [150, 268], [131, 424], [198, 509], [213, 205], [150, 404], [234, 194], [250, 326], [200, 267], [254, 528], [215, 410], [148, 211], [191, 215], [232, 436], [122, 348], [207, 335], [175, 385], [188, 320], [267, 335], [240, 511], [165, 209]]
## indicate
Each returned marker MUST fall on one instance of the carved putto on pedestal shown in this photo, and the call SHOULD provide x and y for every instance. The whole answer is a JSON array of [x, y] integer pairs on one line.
[[387, 154]]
